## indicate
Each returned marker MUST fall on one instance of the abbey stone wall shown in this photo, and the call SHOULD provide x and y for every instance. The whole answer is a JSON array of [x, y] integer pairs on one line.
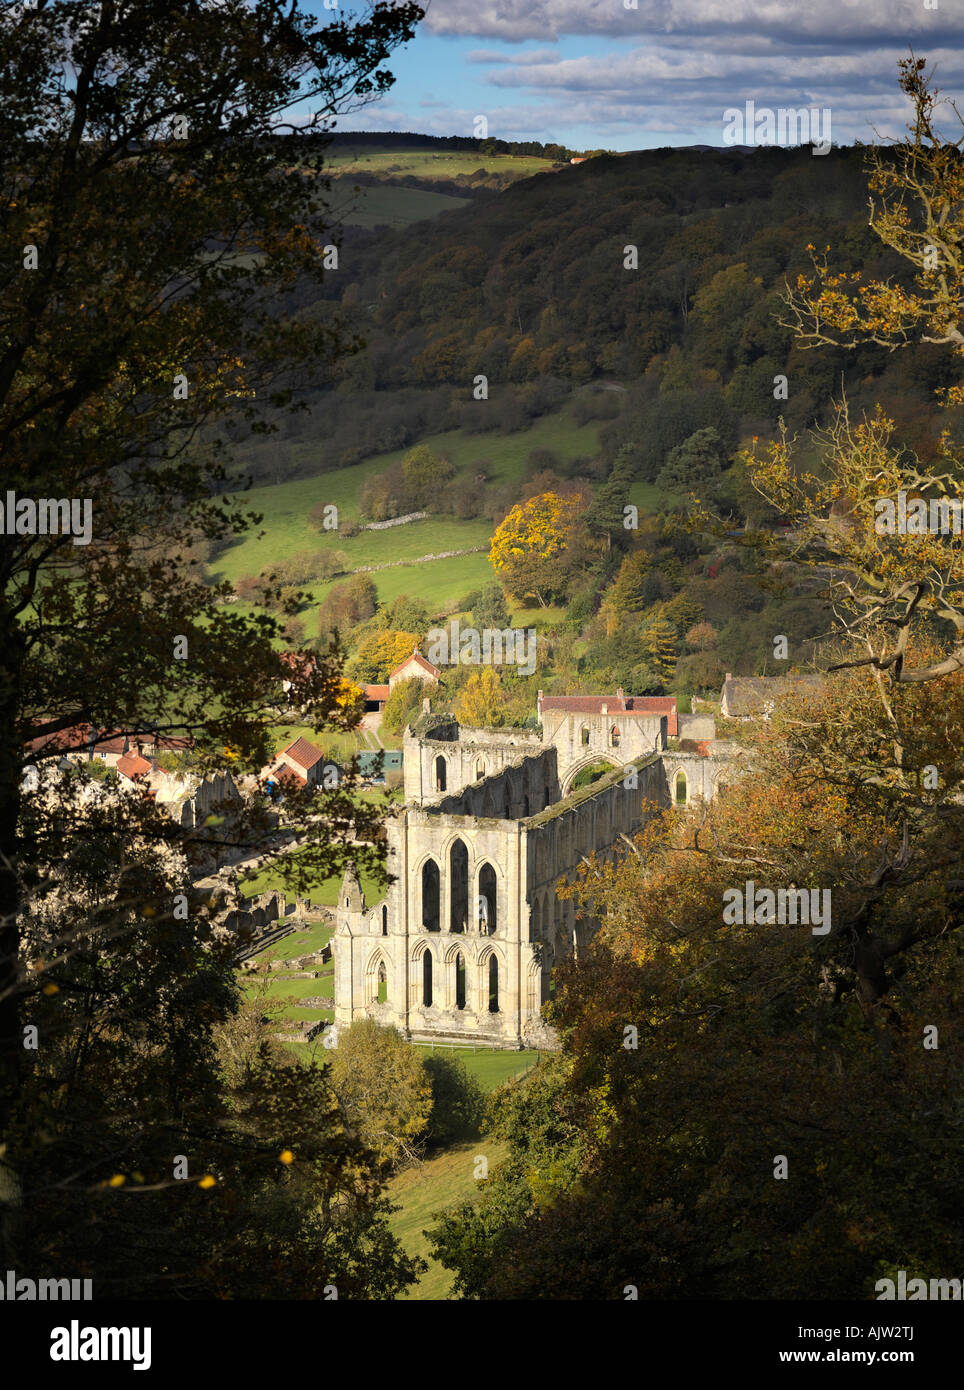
[[463, 943], [451, 758]]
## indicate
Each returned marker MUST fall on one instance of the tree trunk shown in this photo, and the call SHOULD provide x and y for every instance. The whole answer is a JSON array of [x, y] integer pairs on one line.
[[11, 1038]]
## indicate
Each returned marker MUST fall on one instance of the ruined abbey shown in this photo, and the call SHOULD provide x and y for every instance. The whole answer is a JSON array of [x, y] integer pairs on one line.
[[463, 943]]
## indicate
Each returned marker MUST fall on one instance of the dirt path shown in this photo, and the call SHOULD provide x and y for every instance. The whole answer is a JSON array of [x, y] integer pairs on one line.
[[370, 725]]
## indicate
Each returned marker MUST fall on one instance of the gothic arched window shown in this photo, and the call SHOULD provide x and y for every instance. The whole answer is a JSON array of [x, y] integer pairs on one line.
[[459, 890], [431, 915], [493, 985]]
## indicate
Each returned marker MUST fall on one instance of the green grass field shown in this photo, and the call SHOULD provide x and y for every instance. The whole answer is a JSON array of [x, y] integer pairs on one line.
[[424, 163], [299, 943], [323, 893], [432, 1187], [296, 989], [440, 584], [333, 742], [490, 1066], [284, 506]]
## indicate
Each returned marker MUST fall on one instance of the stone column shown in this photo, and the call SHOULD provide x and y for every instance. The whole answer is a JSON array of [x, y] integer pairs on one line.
[[516, 895], [405, 890]]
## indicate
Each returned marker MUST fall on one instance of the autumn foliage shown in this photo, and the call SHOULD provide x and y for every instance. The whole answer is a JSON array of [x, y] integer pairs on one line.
[[540, 546]]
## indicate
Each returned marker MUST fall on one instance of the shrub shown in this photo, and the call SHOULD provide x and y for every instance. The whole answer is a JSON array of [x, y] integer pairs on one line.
[[403, 704], [383, 1083], [458, 1101], [347, 605]]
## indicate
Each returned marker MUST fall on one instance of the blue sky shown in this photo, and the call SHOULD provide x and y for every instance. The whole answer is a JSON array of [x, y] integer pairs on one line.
[[594, 73]]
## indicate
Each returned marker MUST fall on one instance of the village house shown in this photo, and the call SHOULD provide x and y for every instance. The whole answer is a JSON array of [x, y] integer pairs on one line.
[[300, 761], [84, 743], [414, 665], [375, 697], [133, 768]]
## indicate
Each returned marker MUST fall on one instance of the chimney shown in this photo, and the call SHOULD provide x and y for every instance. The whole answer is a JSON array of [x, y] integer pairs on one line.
[[729, 676], [619, 692]]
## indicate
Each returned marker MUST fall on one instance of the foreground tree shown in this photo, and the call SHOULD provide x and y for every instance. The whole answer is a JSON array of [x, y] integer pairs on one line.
[[916, 209], [152, 218]]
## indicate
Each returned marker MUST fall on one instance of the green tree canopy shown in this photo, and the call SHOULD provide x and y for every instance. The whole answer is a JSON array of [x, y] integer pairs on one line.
[[158, 220], [696, 461]]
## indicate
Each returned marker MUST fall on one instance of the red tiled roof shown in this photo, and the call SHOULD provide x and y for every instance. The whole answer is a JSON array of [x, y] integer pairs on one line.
[[585, 704], [112, 743], [77, 739], [286, 774], [74, 738], [377, 692], [133, 765], [420, 660], [303, 753], [658, 704], [172, 742]]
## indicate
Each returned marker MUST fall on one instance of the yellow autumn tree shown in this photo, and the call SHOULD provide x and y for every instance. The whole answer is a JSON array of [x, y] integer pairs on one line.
[[482, 701], [380, 653], [539, 547], [916, 208], [349, 694]]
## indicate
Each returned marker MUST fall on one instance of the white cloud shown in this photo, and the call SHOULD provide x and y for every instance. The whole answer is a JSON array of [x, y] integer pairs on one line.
[[789, 21], [684, 62], [533, 55]]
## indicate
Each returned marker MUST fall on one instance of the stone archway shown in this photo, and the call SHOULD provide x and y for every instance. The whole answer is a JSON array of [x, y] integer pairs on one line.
[[377, 975], [573, 771]]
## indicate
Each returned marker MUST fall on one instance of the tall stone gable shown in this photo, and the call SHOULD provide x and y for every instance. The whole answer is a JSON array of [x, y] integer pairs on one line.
[[462, 945]]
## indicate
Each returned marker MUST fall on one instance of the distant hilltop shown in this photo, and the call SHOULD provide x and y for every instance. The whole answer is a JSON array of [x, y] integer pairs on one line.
[[408, 139], [393, 139]]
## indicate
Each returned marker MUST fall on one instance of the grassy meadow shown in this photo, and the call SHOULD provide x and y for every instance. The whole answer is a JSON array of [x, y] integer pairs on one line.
[[421, 1191], [321, 893], [424, 163], [441, 584]]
